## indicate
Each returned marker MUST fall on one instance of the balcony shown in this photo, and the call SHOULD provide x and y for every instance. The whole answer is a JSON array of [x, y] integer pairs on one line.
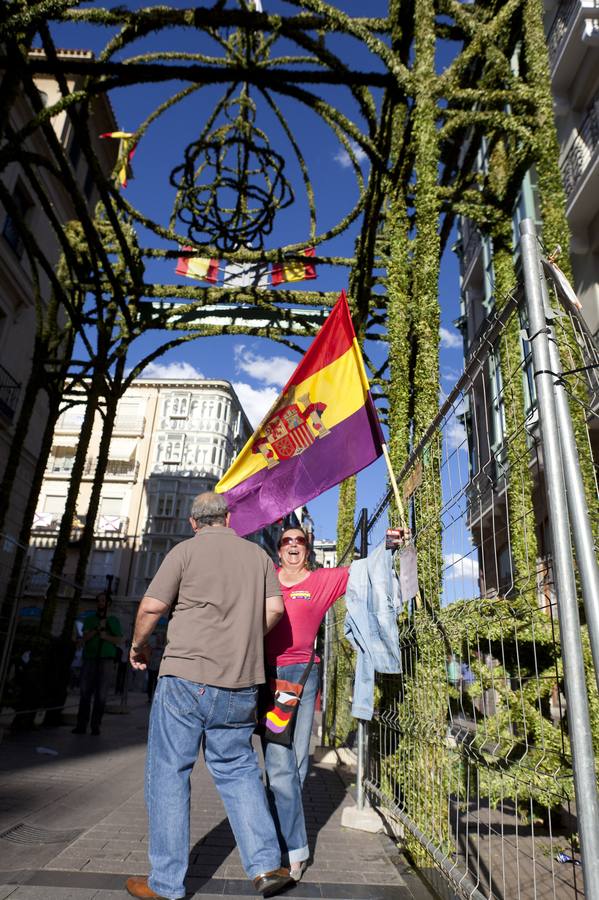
[[133, 425], [116, 469], [575, 21], [580, 168], [46, 521], [111, 526], [106, 525], [60, 465], [167, 525], [9, 394]]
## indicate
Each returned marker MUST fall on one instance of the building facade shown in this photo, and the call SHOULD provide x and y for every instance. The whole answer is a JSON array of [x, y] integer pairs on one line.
[[172, 440], [20, 302], [572, 29]]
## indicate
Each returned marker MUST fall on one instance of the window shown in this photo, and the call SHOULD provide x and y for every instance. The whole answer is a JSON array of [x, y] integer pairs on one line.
[[55, 503], [496, 411], [180, 406], [88, 184], [74, 151], [219, 410], [111, 506], [72, 418], [174, 449], [11, 229], [165, 504], [101, 565]]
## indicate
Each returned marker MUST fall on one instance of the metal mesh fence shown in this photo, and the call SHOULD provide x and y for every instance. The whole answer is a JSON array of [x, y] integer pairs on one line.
[[469, 747]]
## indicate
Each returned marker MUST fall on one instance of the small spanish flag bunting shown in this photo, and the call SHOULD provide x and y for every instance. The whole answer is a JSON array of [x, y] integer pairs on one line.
[[127, 148], [294, 270], [197, 267]]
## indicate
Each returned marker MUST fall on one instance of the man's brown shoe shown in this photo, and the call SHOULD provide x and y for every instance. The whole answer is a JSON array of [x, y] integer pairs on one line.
[[270, 883], [138, 886]]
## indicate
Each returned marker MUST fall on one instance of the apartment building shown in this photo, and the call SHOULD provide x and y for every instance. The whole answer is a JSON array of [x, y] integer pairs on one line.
[[17, 286], [172, 440], [572, 29]]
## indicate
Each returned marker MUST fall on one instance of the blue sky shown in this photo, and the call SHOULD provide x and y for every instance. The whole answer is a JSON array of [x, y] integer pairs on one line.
[[257, 367]]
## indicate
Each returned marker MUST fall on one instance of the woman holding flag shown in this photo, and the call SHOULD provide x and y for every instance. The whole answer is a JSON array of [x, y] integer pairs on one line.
[[307, 597]]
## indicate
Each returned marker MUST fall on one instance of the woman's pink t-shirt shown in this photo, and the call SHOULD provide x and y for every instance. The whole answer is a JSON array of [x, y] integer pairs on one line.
[[292, 639]]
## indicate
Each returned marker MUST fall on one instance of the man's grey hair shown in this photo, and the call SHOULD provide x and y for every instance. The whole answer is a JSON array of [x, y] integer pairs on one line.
[[209, 509]]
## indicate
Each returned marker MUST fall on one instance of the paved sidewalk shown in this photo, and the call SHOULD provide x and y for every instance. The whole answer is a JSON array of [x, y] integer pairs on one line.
[[73, 825]]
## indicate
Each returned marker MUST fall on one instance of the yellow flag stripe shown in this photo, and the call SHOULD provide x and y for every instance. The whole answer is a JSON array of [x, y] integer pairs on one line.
[[342, 386]]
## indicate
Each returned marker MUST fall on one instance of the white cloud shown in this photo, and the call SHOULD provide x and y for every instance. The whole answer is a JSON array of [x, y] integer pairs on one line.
[[171, 370], [455, 434], [343, 157], [255, 401], [450, 339], [457, 565], [269, 370], [450, 374]]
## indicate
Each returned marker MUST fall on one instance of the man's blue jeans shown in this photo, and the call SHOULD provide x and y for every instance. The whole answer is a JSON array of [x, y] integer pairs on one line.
[[186, 716], [287, 767]]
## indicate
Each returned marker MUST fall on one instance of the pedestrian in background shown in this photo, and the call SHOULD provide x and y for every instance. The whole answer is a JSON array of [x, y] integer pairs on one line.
[[225, 595], [102, 633]]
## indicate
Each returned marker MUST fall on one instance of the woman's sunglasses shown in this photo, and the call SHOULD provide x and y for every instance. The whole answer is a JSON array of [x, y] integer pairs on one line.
[[293, 540]]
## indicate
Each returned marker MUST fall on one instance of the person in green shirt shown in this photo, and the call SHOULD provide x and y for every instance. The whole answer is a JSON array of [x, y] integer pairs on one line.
[[102, 633]]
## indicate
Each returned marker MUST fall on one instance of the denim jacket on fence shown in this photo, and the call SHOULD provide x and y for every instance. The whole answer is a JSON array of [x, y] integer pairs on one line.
[[373, 601]]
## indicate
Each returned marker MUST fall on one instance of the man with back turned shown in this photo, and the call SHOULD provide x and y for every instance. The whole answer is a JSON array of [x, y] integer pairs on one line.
[[224, 596]]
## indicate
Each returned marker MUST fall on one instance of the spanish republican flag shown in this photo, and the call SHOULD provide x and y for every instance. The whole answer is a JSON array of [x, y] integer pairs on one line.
[[322, 429], [197, 267]]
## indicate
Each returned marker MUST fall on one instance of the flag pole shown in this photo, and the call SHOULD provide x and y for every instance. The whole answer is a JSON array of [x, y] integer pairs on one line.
[[400, 509], [400, 506]]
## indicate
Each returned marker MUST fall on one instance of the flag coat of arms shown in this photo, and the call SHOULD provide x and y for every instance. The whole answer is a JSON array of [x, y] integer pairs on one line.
[[322, 429], [294, 270]]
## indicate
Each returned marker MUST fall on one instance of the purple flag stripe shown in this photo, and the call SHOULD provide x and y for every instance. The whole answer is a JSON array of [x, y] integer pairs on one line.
[[272, 493]]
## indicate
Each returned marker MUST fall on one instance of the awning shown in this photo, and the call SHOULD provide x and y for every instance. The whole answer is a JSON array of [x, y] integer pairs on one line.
[[120, 448], [65, 440]]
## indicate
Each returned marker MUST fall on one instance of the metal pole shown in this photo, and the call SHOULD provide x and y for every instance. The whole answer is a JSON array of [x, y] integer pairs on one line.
[[577, 503], [325, 674], [583, 761], [362, 725], [11, 627]]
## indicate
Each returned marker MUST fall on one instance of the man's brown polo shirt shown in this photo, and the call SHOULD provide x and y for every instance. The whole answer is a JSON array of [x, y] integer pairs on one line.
[[218, 583]]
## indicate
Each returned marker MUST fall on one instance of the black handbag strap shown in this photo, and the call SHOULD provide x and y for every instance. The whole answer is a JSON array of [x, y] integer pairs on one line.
[[308, 669]]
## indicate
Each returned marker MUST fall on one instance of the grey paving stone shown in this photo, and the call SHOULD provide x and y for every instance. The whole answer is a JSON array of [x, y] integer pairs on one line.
[[6, 890], [36, 892], [70, 864]]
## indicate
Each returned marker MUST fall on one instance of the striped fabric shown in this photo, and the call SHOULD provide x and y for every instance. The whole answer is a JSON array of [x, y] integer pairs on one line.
[[127, 148], [197, 267], [295, 270], [322, 429]]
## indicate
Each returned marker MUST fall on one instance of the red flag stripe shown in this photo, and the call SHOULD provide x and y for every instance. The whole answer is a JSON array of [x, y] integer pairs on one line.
[[335, 338]]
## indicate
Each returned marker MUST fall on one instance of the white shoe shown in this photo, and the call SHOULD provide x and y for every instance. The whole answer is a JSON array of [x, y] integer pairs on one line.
[[297, 870]]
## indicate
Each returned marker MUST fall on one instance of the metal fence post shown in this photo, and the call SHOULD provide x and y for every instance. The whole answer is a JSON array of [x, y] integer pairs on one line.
[[583, 760], [577, 503], [11, 626], [362, 726], [326, 656]]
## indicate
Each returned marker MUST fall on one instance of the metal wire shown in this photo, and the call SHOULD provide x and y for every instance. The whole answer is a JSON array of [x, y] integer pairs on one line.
[[469, 747]]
